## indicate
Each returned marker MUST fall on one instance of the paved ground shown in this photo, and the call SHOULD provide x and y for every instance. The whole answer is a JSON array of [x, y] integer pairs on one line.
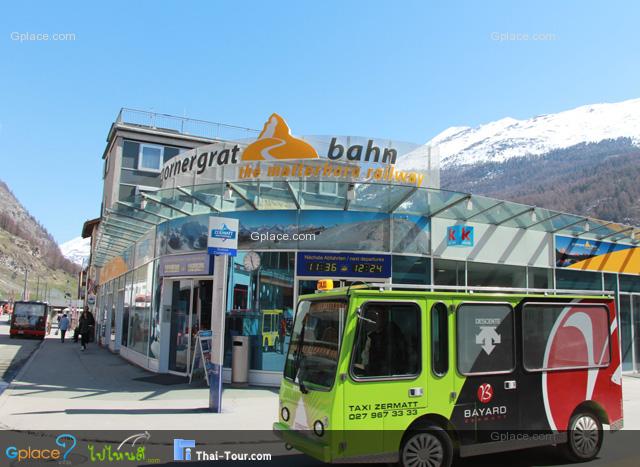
[[62, 388], [13, 353]]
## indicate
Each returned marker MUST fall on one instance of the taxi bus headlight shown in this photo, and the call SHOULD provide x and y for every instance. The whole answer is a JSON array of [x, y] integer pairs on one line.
[[284, 413], [318, 428]]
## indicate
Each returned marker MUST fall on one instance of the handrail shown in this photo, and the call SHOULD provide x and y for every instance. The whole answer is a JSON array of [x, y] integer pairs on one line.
[[471, 289], [183, 125]]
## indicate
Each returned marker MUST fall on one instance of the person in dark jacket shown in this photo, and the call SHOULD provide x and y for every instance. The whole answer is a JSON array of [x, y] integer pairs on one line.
[[85, 326]]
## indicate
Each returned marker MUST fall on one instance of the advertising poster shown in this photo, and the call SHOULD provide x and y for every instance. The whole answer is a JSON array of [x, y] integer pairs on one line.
[[184, 234], [345, 230], [592, 255]]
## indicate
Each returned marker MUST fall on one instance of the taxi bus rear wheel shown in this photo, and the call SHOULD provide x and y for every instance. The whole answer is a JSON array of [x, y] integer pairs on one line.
[[584, 437], [428, 446]]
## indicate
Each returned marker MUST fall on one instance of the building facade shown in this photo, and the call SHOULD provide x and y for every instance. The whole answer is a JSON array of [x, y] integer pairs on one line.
[[343, 208]]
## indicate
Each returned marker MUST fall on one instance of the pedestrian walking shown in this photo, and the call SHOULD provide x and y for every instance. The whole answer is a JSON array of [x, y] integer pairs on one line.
[[85, 325], [63, 325]]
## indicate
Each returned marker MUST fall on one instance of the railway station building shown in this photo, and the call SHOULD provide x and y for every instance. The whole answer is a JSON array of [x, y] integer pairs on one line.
[[351, 209]]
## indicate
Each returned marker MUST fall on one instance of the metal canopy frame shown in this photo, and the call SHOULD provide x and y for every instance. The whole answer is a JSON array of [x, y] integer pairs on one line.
[[546, 219], [615, 234], [126, 221], [484, 211], [603, 226], [510, 218], [153, 199], [241, 195], [402, 200], [131, 206], [201, 201]]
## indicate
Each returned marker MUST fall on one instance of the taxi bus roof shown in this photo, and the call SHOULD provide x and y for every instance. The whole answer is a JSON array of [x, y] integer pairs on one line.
[[404, 291]]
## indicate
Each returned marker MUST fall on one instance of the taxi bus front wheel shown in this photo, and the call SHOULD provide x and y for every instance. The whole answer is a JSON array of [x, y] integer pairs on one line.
[[584, 437], [426, 446]]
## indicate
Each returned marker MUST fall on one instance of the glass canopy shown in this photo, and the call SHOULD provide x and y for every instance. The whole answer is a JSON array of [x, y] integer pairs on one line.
[[127, 221]]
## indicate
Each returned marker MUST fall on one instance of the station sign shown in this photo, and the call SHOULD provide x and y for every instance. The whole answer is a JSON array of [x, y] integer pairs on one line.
[[460, 235], [351, 265], [277, 155]]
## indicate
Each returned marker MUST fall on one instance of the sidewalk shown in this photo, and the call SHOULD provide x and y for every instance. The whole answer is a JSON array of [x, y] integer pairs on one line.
[[63, 388]]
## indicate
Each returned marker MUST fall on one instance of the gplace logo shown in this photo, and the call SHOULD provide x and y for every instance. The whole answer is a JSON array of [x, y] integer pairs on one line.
[[66, 441]]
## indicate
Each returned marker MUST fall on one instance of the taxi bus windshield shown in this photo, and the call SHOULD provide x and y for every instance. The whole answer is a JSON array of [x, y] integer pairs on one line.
[[28, 314], [312, 359]]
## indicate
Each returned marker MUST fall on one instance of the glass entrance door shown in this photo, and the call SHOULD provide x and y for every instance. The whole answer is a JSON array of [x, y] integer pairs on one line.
[[190, 312], [179, 345]]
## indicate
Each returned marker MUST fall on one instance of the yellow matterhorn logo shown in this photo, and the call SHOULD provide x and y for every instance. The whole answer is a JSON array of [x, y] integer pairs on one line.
[[276, 143]]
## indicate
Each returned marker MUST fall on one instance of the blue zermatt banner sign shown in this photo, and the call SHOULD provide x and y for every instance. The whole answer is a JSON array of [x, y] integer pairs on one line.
[[223, 236]]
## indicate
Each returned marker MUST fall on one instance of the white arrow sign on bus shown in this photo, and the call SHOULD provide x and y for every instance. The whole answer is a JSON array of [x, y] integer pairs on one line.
[[488, 338]]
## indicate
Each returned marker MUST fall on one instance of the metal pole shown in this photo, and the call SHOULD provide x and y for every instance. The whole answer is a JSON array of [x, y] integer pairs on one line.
[[38, 288], [26, 277]]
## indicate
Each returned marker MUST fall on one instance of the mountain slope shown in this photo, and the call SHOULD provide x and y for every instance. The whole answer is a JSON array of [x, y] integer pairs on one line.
[[590, 179], [25, 244], [510, 138]]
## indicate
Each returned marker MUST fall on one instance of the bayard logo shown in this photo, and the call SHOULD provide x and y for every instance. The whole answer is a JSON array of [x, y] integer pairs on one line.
[[276, 143], [485, 393]]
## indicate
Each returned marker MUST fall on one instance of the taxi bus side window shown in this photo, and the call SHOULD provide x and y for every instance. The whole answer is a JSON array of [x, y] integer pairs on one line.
[[485, 338], [439, 339], [387, 342]]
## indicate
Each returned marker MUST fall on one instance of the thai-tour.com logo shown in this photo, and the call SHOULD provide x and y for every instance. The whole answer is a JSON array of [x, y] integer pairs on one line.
[[185, 450], [65, 444]]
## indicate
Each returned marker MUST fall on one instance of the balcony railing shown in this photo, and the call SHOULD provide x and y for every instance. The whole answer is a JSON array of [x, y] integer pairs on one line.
[[183, 125]]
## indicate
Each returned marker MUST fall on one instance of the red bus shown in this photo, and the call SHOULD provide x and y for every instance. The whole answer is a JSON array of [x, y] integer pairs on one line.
[[29, 319]]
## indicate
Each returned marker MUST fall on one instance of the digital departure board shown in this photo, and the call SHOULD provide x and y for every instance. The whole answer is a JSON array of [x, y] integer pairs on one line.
[[344, 265]]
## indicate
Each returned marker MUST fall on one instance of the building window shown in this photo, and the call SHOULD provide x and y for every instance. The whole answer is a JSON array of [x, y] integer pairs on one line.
[[140, 311], [495, 275], [485, 338], [387, 341], [448, 272], [329, 188], [260, 299], [130, 150], [567, 344], [439, 339], [629, 283], [578, 280], [539, 278], [150, 157], [411, 270], [128, 300]]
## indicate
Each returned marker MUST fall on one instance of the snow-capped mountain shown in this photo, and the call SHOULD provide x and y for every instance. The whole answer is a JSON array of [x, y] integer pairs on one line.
[[508, 138], [77, 250]]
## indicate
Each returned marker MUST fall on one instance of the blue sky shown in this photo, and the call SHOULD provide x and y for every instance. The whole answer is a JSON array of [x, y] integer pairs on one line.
[[401, 70]]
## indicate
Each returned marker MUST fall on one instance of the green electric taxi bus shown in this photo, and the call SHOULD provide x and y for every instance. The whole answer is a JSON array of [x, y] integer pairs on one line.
[[383, 374]]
